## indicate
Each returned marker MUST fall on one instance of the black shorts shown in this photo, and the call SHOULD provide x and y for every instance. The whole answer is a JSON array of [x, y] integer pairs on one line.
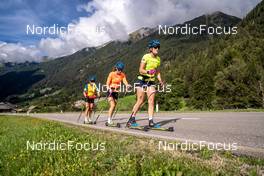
[[113, 94], [141, 83], [89, 100]]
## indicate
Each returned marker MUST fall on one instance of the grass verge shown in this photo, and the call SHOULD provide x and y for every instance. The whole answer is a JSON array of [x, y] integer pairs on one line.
[[122, 154]]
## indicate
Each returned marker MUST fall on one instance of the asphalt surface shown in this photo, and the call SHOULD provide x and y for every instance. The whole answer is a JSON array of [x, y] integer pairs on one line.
[[242, 129]]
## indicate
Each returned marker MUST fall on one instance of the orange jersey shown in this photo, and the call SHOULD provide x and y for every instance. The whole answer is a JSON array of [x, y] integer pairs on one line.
[[114, 79]]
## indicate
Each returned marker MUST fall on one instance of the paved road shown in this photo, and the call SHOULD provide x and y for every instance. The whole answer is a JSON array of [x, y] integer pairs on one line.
[[244, 128]]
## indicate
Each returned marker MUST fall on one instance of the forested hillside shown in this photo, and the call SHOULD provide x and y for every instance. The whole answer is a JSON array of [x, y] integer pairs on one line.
[[207, 72], [227, 74]]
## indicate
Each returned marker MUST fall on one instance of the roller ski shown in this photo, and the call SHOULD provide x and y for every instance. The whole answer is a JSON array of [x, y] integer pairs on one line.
[[90, 122], [157, 126], [142, 128], [112, 124], [132, 124]]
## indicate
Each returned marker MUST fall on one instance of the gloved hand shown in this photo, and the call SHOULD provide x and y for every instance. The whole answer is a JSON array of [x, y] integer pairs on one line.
[[151, 72], [110, 90], [162, 83], [128, 87]]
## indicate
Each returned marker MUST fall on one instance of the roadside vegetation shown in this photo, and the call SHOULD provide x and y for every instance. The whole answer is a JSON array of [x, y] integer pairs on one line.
[[123, 154]]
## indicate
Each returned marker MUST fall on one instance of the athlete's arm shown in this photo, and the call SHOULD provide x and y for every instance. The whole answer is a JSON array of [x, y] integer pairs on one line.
[[159, 78], [97, 91], [85, 91], [125, 81], [128, 86], [142, 68], [108, 82]]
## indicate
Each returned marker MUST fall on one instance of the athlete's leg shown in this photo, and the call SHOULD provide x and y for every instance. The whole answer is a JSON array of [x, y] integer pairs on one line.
[[86, 111], [91, 105], [112, 103], [140, 100], [151, 97]]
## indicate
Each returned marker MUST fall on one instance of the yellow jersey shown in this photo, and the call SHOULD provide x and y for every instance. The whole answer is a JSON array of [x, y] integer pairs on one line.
[[90, 89], [152, 63]]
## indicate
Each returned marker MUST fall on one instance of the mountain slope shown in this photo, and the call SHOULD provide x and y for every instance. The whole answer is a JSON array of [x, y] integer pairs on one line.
[[207, 72], [140, 34], [228, 74]]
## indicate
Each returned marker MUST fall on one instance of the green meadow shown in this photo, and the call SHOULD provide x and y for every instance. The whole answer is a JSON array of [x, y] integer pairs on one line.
[[107, 153]]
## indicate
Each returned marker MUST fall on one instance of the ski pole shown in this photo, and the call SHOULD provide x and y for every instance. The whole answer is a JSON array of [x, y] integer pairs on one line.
[[101, 109], [117, 106], [80, 115], [95, 109]]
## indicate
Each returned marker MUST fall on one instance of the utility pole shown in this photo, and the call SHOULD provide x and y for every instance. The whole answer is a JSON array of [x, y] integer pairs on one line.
[[262, 93], [157, 107]]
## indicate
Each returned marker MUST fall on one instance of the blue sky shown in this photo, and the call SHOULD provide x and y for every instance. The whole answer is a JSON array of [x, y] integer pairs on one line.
[[16, 14], [118, 18]]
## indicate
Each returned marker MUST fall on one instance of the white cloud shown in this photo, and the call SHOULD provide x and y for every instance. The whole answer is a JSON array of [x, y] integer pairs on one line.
[[10, 52], [117, 18]]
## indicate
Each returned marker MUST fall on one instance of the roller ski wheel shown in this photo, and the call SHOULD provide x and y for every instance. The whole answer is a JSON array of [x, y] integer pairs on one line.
[[171, 129], [118, 125]]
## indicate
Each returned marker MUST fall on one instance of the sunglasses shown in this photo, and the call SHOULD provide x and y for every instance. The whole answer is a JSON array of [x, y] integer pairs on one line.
[[157, 47]]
